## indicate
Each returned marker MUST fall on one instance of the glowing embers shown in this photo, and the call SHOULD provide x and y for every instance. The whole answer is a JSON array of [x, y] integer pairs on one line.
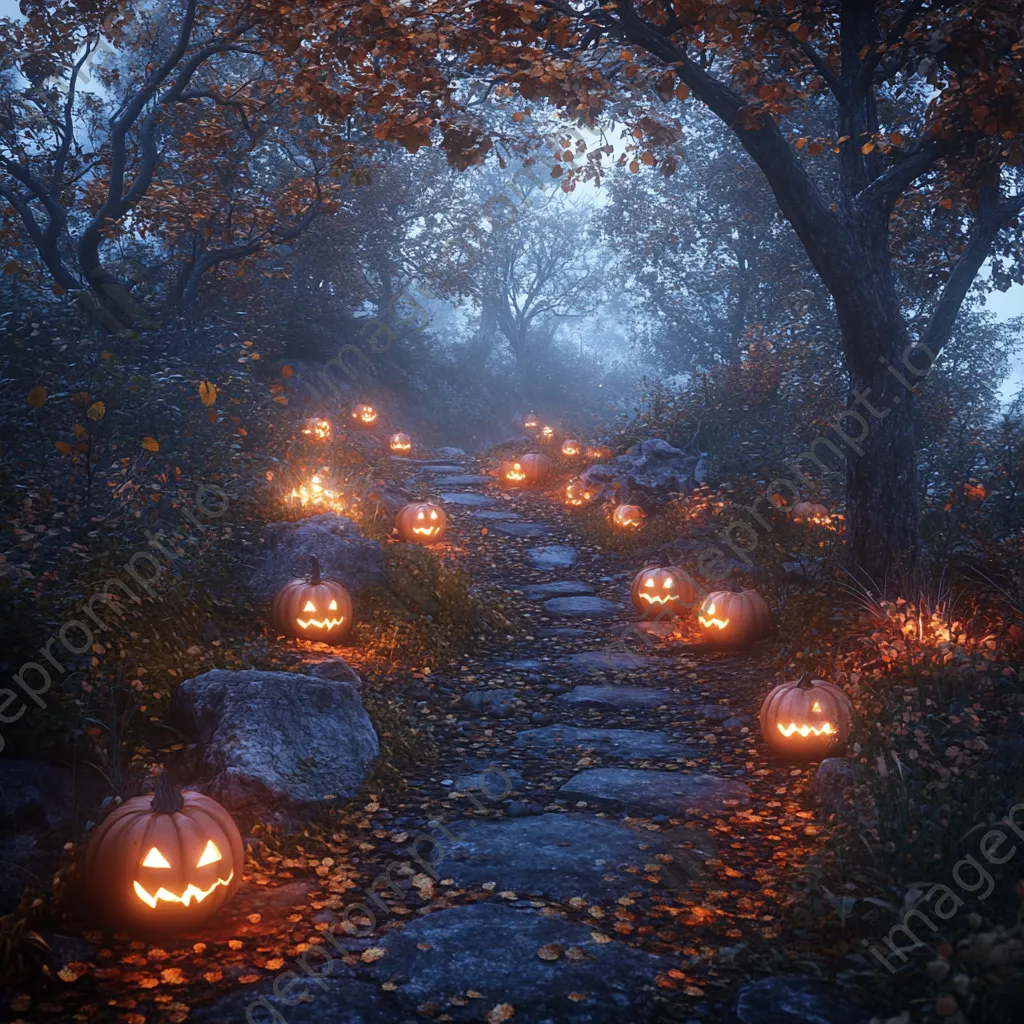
[[316, 429], [576, 493], [421, 522], [319, 492], [628, 517], [364, 414], [812, 514]]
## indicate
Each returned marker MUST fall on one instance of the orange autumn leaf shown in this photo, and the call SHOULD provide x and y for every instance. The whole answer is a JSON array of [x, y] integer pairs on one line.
[[63, 447], [207, 393], [151, 444], [36, 398]]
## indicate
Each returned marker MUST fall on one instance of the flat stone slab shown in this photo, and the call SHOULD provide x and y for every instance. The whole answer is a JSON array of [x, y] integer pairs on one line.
[[435, 468], [507, 529], [553, 556], [463, 480], [793, 1000], [610, 661], [623, 698], [581, 608], [562, 588], [492, 949], [654, 792], [527, 664], [466, 498], [495, 514], [629, 744], [492, 780], [557, 856]]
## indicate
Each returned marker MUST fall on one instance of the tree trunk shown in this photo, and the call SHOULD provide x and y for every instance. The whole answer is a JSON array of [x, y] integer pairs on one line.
[[877, 430]]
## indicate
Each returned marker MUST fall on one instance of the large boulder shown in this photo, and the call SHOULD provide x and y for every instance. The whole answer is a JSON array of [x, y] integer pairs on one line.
[[343, 552], [274, 746], [649, 472]]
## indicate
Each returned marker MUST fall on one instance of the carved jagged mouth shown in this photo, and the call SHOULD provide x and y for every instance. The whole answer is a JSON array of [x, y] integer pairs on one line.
[[658, 599], [190, 894], [717, 623], [320, 623], [427, 531], [806, 730]]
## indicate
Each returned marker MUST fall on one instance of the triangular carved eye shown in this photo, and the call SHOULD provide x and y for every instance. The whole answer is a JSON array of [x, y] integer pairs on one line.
[[155, 859], [333, 606], [668, 583], [210, 855], [420, 516], [433, 515], [310, 607], [650, 582]]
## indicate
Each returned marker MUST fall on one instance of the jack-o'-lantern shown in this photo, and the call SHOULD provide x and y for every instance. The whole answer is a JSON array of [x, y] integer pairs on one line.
[[313, 609], [811, 512], [536, 466], [807, 719], [316, 429], [531, 422], [164, 863], [421, 522], [577, 493], [570, 447], [547, 433], [512, 474], [399, 443], [660, 591], [732, 618], [629, 517], [596, 452], [364, 414]]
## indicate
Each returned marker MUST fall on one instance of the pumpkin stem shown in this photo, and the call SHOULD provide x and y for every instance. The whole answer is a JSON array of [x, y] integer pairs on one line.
[[167, 799], [315, 577], [804, 682]]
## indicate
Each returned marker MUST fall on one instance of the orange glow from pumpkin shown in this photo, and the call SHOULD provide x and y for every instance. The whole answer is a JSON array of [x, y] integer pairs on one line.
[[365, 413], [710, 620], [192, 892], [515, 473], [806, 730], [317, 430], [400, 442], [548, 433], [570, 447], [575, 494], [628, 517], [318, 493]]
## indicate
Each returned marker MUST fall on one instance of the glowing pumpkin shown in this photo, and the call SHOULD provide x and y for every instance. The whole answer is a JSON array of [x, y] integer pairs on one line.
[[810, 512], [808, 719], [629, 517], [547, 433], [730, 618], [536, 467], [576, 493], [164, 863], [399, 443], [531, 422], [313, 609], [512, 474], [316, 429], [421, 522], [364, 414], [660, 590], [596, 452], [570, 447]]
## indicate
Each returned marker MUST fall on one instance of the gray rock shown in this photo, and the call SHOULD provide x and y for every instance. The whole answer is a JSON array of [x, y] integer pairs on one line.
[[466, 498], [450, 453], [275, 746], [556, 856], [581, 608], [493, 950], [628, 744], [622, 698], [391, 496], [343, 552], [510, 529], [834, 783], [652, 470], [526, 664], [493, 781], [793, 1000], [495, 703], [464, 480], [610, 661], [562, 588], [337, 669], [714, 712], [442, 469], [553, 556], [654, 792], [489, 514]]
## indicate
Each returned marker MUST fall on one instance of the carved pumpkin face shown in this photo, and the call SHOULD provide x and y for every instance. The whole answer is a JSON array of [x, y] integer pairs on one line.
[[364, 414], [536, 466], [422, 522], [570, 447], [547, 433], [512, 474], [811, 512], [313, 609], [660, 591], [576, 493], [399, 443], [733, 619], [629, 517], [531, 422], [315, 430], [596, 452], [807, 719], [165, 863]]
